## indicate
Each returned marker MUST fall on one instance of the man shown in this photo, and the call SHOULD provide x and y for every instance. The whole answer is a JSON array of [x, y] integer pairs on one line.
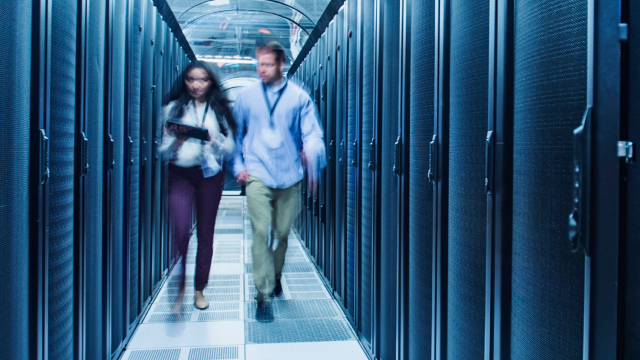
[[278, 133]]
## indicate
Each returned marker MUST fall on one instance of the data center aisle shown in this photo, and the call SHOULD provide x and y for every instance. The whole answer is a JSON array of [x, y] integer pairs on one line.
[[308, 323]]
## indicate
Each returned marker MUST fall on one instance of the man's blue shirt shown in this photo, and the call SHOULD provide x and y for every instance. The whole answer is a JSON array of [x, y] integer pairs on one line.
[[272, 154]]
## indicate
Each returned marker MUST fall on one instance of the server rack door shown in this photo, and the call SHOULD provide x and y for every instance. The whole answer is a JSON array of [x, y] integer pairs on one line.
[[368, 109], [303, 199], [119, 283], [146, 150], [94, 179], [599, 226], [60, 312], [467, 200], [156, 203], [375, 154], [313, 199], [498, 180], [80, 171], [340, 156], [421, 199], [330, 140], [352, 57], [550, 73], [136, 37], [441, 180], [629, 314], [403, 171], [16, 124], [322, 81], [390, 113]]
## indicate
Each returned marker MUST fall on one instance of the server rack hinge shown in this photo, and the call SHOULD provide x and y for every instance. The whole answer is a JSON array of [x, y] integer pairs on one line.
[[579, 218], [111, 161], [330, 151], [309, 202], [488, 169], [323, 213], [156, 153], [623, 30], [340, 161], [432, 159], [625, 150], [84, 153], [396, 159], [144, 151], [130, 151], [372, 154], [44, 157], [316, 207], [355, 153]]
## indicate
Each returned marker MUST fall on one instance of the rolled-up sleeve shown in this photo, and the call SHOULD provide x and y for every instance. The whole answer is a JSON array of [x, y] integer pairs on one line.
[[312, 136], [238, 165]]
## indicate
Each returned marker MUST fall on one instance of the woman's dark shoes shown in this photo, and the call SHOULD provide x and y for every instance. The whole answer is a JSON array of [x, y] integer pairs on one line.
[[264, 312], [278, 289]]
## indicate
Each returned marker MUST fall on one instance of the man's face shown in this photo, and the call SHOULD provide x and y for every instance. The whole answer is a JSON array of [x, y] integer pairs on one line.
[[268, 68]]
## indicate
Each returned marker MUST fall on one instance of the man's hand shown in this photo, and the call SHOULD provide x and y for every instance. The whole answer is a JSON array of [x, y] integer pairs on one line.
[[303, 158], [242, 178]]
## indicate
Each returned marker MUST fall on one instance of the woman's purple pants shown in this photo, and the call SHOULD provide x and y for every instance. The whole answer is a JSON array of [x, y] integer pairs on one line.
[[185, 186]]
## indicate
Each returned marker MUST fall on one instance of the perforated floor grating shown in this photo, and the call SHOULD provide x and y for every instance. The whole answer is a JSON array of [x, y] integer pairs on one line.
[[166, 354], [285, 331], [227, 329], [214, 353]]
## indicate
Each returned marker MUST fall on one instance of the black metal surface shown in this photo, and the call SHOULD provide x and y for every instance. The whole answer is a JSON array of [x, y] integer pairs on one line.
[[15, 50], [467, 199], [389, 203], [93, 200], [62, 117], [549, 100], [421, 211], [601, 264], [629, 314]]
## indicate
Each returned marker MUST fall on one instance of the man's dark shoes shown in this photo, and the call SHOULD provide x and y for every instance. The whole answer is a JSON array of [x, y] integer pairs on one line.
[[278, 289], [264, 312]]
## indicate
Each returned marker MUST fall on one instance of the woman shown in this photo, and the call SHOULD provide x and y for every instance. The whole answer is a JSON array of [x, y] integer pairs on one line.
[[195, 168]]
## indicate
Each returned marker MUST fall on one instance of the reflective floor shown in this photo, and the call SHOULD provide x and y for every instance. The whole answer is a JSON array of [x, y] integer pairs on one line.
[[308, 322]]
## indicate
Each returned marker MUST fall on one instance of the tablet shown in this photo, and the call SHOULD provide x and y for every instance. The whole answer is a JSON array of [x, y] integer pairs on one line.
[[192, 131]]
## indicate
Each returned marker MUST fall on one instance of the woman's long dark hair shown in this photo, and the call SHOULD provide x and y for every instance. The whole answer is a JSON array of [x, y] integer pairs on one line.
[[216, 99]]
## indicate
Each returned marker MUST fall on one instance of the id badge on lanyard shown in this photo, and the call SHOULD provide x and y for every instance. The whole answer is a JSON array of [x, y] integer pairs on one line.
[[271, 136], [210, 167]]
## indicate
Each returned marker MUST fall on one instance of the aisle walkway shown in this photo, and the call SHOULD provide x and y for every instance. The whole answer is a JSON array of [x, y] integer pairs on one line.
[[308, 323]]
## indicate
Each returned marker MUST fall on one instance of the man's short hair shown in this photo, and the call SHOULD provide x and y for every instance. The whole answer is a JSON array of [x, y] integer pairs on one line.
[[273, 47]]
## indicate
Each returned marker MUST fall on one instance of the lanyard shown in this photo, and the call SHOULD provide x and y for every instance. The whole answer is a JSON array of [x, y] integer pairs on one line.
[[266, 99], [204, 116]]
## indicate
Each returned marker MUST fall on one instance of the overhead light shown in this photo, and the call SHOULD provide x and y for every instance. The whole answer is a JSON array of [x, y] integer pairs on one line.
[[264, 31], [228, 61]]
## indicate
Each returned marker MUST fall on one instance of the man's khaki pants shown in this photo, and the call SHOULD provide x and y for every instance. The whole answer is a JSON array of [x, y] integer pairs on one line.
[[266, 205]]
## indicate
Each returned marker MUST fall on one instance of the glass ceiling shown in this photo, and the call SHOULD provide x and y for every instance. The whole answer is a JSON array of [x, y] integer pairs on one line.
[[226, 32]]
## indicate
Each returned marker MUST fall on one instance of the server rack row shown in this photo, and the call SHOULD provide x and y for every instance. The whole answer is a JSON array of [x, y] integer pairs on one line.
[[86, 233], [461, 135]]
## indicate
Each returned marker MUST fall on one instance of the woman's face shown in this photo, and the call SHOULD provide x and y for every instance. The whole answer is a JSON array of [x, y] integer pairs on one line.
[[198, 84]]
